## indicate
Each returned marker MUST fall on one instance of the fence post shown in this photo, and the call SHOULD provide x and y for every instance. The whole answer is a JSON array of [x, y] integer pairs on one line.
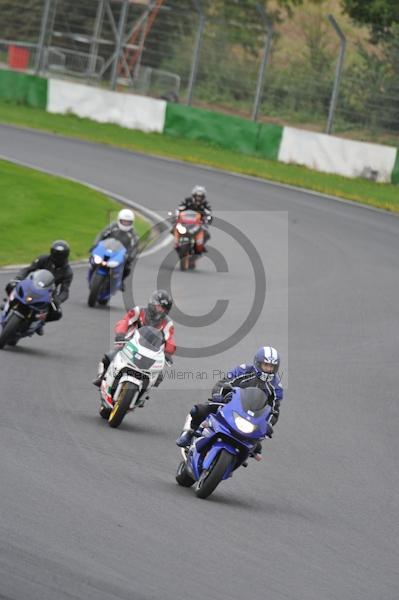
[[42, 36], [267, 24], [119, 42], [338, 74], [96, 34], [197, 50], [137, 66]]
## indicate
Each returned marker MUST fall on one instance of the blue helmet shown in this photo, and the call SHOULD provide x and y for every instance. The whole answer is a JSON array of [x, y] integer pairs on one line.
[[266, 363]]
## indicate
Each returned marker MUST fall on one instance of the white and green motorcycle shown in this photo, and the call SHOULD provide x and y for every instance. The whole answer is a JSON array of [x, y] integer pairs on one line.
[[135, 369]]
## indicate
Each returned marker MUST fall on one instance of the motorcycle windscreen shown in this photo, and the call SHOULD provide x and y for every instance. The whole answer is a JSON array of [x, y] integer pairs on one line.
[[42, 279], [113, 246], [253, 400], [151, 338], [190, 217]]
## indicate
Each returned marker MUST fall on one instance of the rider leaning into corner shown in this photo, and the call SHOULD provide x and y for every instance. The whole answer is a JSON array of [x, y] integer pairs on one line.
[[122, 230], [198, 202], [155, 314], [263, 374], [57, 263]]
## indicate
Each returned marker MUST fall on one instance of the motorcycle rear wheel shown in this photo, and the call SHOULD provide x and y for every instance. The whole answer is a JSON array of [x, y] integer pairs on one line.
[[211, 478], [126, 395], [10, 331]]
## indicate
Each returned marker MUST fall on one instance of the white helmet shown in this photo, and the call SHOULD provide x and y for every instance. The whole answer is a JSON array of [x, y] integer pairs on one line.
[[198, 193], [125, 219]]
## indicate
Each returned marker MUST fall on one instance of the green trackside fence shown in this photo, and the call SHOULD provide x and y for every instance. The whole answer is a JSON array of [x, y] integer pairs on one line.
[[20, 88], [395, 172], [224, 131], [220, 130]]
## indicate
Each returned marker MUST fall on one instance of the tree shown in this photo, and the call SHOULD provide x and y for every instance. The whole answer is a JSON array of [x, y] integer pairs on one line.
[[370, 92], [20, 21], [379, 15]]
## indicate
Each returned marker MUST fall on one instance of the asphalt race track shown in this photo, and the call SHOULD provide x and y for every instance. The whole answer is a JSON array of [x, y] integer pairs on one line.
[[91, 513]]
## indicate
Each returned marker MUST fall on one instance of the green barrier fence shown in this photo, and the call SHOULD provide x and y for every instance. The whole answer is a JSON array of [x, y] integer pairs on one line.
[[222, 130], [269, 140], [395, 172], [23, 89]]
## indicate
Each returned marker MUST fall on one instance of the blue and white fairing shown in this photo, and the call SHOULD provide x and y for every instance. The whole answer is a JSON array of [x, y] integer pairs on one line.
[[236, 427], [108, 259]]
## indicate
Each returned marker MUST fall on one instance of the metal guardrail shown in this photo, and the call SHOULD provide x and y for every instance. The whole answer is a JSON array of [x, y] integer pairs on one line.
[[154, 82], [72, 62]]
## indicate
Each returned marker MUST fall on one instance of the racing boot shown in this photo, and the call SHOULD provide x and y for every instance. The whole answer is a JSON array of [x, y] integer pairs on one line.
[[100, 375], [143, 400]]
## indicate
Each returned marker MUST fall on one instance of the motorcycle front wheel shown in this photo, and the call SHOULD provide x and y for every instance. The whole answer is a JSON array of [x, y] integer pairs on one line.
[[125, 398], [211, 477], [185, 263], [96, 285], [10, 330]]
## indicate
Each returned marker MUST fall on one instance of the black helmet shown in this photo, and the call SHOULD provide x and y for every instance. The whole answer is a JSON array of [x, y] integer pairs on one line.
[[159, 305], [59, 252]]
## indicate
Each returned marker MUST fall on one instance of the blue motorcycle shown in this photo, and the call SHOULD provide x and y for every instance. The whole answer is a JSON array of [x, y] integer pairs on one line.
[[107, 261], [225, 441], [26, 308]]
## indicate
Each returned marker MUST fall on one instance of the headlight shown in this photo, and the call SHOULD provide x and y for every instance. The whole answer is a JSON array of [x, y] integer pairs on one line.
[[112, 264], [243, 425], [29, 298], [180, 228], [97, 259]]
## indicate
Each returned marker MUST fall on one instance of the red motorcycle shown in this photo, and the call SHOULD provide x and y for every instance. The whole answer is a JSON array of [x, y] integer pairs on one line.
[[189, 238]]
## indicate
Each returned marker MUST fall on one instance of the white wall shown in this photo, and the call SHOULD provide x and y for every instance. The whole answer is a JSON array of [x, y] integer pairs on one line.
[[127, 110], [336, 155]]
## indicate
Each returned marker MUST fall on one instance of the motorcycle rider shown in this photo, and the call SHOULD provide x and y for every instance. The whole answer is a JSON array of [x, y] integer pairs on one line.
[[263, 374], [198, 202], [155, 315], [57, 263], [122, 230]]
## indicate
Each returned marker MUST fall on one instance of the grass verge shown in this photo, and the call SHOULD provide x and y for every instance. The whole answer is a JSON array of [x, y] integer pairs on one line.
[[380, 195], [37, 208]]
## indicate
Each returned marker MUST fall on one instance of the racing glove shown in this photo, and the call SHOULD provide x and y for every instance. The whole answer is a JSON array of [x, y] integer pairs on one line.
[[11, 285], [119, 340]]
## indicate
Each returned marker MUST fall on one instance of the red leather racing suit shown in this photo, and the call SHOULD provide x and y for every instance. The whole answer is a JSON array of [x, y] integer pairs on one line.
[[137, 317]]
